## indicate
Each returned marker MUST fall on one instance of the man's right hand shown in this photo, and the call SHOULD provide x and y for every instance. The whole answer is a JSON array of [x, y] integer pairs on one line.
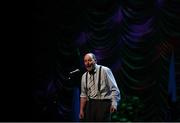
[[81, 115]]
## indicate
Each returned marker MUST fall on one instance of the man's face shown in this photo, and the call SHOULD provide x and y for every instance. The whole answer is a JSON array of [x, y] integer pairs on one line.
[[89, 62]]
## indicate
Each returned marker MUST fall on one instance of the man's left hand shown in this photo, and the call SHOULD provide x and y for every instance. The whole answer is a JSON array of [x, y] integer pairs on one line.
[[112, 109]]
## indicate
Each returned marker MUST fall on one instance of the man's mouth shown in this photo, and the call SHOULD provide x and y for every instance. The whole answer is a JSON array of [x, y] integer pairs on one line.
[[88, 66]]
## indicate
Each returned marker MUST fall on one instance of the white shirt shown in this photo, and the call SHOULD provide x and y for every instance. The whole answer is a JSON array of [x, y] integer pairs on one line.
[[108, 86]]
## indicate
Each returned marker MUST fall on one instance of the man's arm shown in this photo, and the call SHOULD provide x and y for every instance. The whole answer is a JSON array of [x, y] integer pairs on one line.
[[83, 97], [82, 106], [115, 92]]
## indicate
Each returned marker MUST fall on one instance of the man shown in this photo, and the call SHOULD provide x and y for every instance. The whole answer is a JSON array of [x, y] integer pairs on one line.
[[99, 91]]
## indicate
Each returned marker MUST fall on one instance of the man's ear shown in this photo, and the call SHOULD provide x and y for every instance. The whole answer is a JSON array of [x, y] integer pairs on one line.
[[95, 61]]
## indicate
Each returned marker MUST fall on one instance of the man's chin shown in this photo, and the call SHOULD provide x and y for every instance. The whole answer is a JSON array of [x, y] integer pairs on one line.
[[89, 69]]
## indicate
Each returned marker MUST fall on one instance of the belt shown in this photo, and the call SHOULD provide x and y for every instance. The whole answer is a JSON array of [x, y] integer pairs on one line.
[[100, 100]]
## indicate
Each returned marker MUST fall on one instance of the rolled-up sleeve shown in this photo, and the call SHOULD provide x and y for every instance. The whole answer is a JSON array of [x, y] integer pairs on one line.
[[115, 92], [83, 86]]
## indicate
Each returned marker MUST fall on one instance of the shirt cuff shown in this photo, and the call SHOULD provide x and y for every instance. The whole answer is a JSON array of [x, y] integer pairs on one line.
[[83, 95], [114, 104]]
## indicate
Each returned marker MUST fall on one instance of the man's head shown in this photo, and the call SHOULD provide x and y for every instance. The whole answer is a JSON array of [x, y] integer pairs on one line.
[[90, 61]]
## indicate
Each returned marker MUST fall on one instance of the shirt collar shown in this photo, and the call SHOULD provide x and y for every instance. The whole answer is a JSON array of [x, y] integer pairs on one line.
[[95, 68]]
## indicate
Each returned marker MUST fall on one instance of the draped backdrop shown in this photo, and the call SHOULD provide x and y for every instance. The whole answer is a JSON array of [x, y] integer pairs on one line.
[[137, 39]]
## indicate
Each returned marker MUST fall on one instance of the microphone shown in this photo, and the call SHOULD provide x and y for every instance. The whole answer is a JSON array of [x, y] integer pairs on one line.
[[74, 71]]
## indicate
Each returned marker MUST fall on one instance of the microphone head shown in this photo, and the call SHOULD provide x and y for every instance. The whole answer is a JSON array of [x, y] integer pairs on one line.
[[75, 71]]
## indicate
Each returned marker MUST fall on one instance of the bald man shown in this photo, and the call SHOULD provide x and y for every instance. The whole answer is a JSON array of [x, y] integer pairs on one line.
[[99, 91]]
